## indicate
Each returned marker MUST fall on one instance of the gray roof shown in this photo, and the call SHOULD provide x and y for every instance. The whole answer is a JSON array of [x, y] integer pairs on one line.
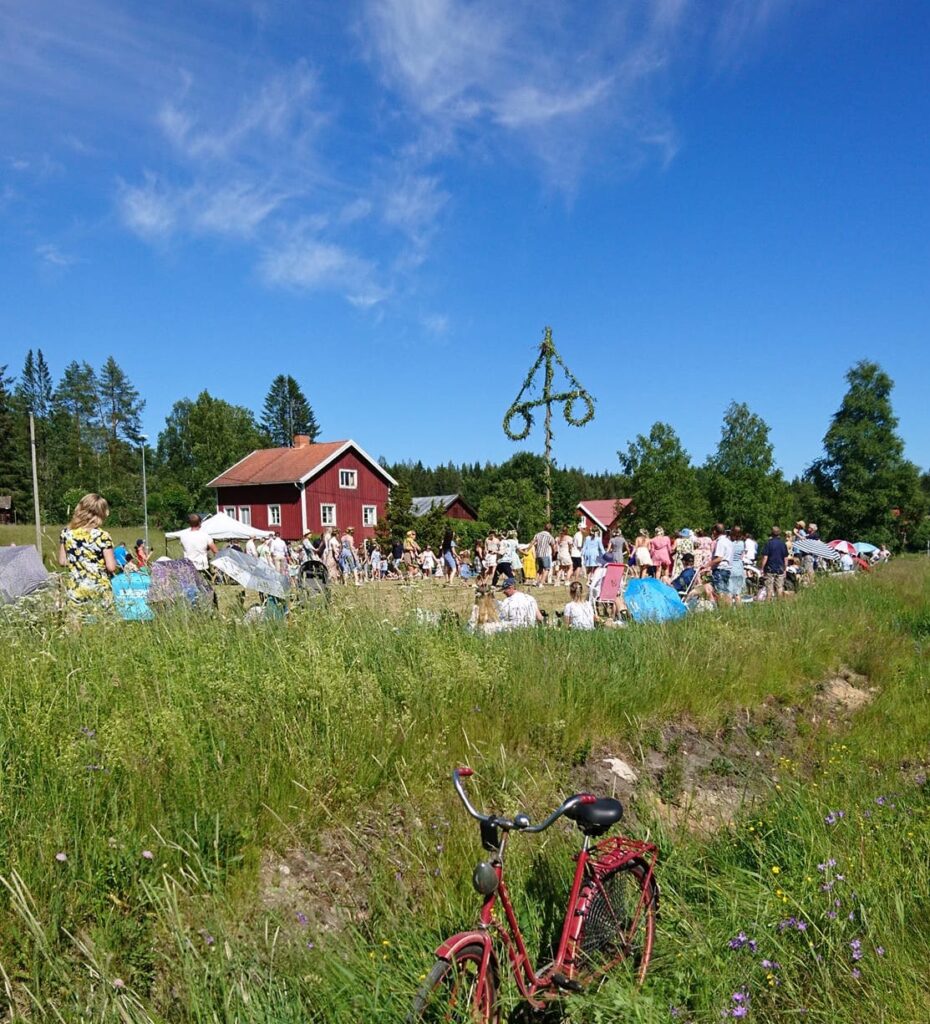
[[420, 506], [6, 501]]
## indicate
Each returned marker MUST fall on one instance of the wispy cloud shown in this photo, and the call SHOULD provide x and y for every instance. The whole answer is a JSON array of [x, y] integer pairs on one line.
[[50, 255]]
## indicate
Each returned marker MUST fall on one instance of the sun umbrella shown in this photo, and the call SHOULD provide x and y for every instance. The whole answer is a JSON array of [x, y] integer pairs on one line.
[[817, 548], [21, 572], [843, 546], [252, 573], [650, 600], [863, 548]]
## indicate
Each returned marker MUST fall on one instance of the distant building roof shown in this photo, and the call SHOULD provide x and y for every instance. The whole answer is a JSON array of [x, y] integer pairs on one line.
[[603, 510], [290, 465], [6, 502], [420, 506]]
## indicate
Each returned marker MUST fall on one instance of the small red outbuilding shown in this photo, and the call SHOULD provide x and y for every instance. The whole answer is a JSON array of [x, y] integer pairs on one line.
[[307, 487]]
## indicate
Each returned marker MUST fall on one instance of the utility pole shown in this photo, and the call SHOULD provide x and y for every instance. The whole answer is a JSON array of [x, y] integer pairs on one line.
[[35, 483]]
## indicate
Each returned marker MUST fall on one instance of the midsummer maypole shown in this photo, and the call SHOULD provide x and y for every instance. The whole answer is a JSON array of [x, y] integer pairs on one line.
[[530, 399]]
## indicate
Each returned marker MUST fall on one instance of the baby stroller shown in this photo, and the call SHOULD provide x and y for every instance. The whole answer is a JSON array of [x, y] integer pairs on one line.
[[312, 580]]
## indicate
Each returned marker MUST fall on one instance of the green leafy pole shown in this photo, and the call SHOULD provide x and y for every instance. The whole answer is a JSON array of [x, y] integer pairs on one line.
[[548, 357]]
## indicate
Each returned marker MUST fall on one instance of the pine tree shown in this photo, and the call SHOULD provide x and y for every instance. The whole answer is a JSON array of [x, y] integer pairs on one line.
[[287, 412], [75, 404], [870, 491], [119, 405], [34, 395], [398, 515]]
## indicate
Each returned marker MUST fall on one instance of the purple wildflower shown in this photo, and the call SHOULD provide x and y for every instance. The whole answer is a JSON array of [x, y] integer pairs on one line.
[[879, 950], [831, 915], [831, 863], [856, 947], [856, 973], [852, 915], [880, 800], [207, 937], [834, 816], [118, 983], [739, 1011], [88, 732], [738, 941], [771, 965], [311, 945], [802, 926], [148, 855], [826, 887], [61, 856], [301, 919]]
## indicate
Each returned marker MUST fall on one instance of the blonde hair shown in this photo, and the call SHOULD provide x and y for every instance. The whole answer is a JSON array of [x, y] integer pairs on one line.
[[90, 511], [487, 608], [659, 531]]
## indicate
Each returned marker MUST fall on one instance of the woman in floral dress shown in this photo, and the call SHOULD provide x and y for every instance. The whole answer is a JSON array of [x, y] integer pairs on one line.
[[87, 552]]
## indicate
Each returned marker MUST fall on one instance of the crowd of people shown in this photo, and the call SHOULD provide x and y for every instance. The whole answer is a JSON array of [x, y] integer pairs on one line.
[[720, 566]]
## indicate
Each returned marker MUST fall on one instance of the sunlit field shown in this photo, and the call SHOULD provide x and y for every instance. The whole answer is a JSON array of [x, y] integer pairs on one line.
[[206, 821]]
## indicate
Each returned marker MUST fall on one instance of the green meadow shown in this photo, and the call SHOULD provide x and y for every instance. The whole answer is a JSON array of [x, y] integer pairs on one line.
[[206, 821]]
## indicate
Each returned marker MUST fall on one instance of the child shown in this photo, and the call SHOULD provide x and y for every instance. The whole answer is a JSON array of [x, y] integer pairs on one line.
[[375, 561], [578, 613], [428, 562]]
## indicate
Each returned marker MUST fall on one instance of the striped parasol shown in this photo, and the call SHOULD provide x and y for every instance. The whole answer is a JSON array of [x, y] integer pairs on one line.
[[817, 548], [843, 546]]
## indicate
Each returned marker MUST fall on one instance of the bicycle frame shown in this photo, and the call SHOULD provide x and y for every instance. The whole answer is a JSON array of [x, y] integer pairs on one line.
[[591, 865]]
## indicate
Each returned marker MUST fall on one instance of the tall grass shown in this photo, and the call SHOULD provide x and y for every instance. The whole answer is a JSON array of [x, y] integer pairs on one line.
[[255, 824]]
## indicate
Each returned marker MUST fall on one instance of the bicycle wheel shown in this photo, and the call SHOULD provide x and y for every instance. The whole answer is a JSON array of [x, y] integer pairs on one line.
[[454, 993], [618, 922]]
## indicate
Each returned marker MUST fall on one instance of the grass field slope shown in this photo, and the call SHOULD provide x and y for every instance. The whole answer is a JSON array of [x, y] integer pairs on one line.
[[205, 821]]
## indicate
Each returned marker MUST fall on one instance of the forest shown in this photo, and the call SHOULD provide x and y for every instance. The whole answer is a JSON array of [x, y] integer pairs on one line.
[[88, 436]]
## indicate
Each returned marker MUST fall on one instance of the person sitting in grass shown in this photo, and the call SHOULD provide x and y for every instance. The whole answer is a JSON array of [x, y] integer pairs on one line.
[[683, 580], [578, 613], [517, 608]]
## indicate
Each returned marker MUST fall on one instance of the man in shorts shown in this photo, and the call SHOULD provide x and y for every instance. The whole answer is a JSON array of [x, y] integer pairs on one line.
[[774, 564], [543, 546], [721, 562]]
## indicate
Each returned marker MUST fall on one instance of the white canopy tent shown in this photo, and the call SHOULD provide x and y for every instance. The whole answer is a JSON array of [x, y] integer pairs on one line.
[[224, 527]]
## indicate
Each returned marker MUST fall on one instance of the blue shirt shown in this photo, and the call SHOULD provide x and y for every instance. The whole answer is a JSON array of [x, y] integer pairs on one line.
[[683, 580], [775, 552]]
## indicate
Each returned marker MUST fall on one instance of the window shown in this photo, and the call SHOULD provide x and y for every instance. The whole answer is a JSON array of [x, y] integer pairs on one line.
[[369, 515], [348, 478], [582, 522], [245, 514], [328, 515], [230, 510], [274, 515]]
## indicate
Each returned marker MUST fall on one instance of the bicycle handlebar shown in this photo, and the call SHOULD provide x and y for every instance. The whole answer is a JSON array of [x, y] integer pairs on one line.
[[520, 822]]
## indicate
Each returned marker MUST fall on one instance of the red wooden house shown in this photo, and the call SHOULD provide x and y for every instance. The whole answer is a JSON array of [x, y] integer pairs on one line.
[[307, 487], [602, 513], [455, 506]]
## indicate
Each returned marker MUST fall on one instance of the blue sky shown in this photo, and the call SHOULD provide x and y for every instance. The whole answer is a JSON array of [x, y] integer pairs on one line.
[[389, 199]]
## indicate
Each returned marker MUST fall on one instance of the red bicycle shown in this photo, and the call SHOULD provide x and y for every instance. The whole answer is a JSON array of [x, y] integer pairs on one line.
[[610, 918]]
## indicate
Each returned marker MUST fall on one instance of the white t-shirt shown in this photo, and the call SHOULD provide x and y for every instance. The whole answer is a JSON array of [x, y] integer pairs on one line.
[[723, 549], [278, 548], [750, 551], [519, 609], [579, 615], [508, 551], [577, 544], [195, 544], [250, 548]]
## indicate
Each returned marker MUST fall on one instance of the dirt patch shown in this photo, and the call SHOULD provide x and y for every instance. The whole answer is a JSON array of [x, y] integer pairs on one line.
[[846, 691]]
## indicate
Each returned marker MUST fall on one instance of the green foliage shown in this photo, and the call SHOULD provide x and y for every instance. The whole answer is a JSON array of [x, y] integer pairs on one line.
[[398, 515], [662, 482], [287, 412], [870, 491], [744, 486], [201, 438], [514, 505]]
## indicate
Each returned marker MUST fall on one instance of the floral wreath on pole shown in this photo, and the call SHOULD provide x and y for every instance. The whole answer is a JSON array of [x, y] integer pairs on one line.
[[523, 407]]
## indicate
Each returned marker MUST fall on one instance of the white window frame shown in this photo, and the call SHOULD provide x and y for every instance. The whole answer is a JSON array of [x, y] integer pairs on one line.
[[582, 522], [369, 515], [323, 518], [351, 475], [274, 517], [245, 514], [230, 510]]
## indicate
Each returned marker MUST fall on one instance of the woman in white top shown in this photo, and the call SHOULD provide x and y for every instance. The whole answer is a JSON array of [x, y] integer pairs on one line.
[[578, 613]]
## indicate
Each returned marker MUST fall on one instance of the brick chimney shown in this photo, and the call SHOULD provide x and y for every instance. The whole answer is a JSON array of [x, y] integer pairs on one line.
[[301, 440]]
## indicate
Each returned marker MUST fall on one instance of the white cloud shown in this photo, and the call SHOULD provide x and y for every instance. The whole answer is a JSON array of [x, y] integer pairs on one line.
[[148, 210], [435, 323], [51, 256], [316, 265]]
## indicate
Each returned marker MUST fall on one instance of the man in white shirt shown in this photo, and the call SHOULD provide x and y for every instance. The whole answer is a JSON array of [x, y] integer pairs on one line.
[[721, 562], [196, 543], [543, 545], [278, 550], [577, 545], [751, 550], [250, 548], [517, 608]]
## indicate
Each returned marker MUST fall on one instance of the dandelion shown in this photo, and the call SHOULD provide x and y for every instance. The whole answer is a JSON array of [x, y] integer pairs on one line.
[[776, 869], [384, 942], [148, 855], [61, 856]]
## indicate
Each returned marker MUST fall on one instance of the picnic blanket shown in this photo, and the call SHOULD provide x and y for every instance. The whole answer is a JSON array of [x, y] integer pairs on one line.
[[650, 600]]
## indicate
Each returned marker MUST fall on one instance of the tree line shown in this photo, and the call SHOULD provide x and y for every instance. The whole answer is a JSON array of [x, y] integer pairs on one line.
[[88, 437]]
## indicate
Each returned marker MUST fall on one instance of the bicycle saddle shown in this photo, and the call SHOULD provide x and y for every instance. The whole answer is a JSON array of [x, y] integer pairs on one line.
[[596, 818]]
